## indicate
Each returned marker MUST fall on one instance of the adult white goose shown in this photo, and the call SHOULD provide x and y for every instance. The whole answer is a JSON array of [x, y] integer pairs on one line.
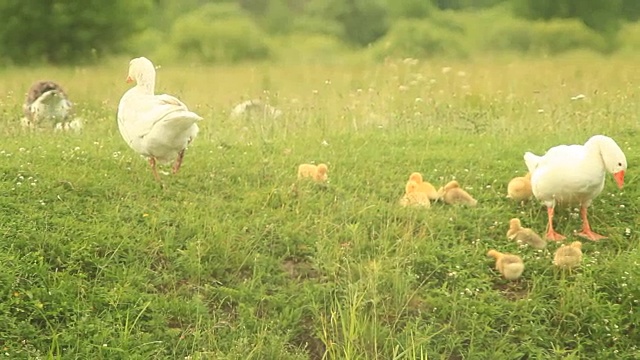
[[159, 127], [575, 174]]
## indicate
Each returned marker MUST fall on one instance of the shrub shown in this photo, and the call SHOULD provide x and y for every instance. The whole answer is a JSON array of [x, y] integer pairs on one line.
[[558, 36], [218, 33], [410, 9], [602, 16], [306, 48], [466, 4], [276, 19], [629, 37], [545, 37], [316, 25], [420, 39], [147, 41], [362, 21], [511, 35]]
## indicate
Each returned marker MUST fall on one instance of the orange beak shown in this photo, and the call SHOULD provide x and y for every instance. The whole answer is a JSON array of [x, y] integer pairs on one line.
[[619, 176], [129, 79]]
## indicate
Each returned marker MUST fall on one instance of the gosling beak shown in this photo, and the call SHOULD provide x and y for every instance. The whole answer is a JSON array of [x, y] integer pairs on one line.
[[619, 176], [129, 79]]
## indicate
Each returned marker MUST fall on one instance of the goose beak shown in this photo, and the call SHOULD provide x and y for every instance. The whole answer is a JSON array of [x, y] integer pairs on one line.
[[619, 176], [129, 79]]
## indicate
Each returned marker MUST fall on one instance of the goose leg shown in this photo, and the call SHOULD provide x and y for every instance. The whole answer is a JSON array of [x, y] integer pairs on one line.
[[552, 234], [178, 163], [586, 228], [152, 162]]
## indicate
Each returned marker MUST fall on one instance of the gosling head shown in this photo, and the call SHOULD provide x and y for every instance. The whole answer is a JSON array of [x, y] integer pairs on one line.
[[515, 224], [451, 185], [416, 176], [412, 186], [322, 172]]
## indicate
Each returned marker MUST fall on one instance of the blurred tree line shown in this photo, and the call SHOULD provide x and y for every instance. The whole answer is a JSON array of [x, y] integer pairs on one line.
[[61, 31], [73, 31]]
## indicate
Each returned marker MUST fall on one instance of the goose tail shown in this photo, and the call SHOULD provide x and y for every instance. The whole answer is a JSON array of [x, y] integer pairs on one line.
[[532, 161]]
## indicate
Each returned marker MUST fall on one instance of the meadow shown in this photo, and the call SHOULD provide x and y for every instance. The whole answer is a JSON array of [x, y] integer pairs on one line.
[[231, 260]]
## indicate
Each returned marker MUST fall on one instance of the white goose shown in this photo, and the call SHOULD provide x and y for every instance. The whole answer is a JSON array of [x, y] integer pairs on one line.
[[575, 174], [157, 126]]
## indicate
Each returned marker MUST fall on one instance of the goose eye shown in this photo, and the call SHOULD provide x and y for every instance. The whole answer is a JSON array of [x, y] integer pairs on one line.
[[619, 164]]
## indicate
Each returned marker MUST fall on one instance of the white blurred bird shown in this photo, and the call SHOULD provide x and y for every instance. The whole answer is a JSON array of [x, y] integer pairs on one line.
[[254, 108]]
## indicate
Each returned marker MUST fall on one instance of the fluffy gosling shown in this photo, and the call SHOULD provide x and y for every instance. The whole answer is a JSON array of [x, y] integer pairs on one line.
[[414, 197], [524, 235], [453, 194], [568, 256], [519, 188], [509, 265], [424, 186], [318, 173]]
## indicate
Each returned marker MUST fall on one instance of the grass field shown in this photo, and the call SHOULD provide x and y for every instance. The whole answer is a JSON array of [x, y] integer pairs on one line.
[[230, 261]]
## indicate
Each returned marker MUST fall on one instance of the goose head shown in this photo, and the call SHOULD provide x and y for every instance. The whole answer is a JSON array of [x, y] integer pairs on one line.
[[613, 158], [143, 72]]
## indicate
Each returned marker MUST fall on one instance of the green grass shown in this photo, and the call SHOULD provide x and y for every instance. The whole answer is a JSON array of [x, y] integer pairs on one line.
[[230, 261]]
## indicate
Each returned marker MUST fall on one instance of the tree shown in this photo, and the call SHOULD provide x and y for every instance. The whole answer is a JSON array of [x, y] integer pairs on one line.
[[411, 9], [67, 31], [362, 21], [465, 4], [631, 9]]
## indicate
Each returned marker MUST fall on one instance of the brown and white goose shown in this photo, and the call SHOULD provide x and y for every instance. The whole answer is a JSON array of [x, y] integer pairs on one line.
[[47, 105]]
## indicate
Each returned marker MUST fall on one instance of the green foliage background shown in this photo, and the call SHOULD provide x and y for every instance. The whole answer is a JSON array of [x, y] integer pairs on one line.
[[230, 31], [66, 31]]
